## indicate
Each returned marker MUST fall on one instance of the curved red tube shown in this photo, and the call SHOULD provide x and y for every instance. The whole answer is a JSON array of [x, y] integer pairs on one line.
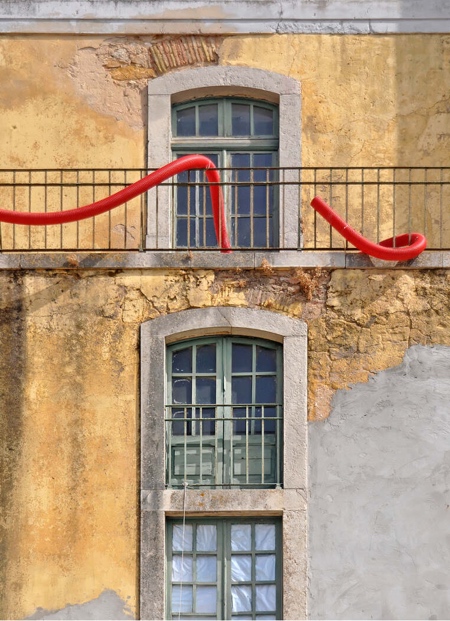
[[399, 248], [188, 162]]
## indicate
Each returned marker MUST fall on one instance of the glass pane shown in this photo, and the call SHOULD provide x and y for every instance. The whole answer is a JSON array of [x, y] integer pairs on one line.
[[241, 568], [241, 537], [182, 361], [241, 597], [241, 389], [206, 358], [209, 124], [240, 119], [182, 599], [266, 597], [265, 536], [241, 358], [243, 618], [182, 427], [239, 426], [266, 359], [263, 121], [238, 161], [206, 568], [265, 567], [181, 233], [206, 538], [263, 160], [266, 389], [206, 599], [205, 390], [182, 390], [182, 537], [241, 232], [262, 233], [208, 423], [181, 569], [186, 122], [267, 617]]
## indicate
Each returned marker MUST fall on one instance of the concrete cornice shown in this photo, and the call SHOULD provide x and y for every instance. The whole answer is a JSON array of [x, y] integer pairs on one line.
[[224, 17]]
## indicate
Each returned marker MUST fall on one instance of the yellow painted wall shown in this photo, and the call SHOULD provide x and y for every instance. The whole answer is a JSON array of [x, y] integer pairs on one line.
[[69, 361]]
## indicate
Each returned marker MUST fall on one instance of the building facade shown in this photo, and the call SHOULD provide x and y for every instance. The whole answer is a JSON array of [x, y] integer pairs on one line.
[[193, 434]]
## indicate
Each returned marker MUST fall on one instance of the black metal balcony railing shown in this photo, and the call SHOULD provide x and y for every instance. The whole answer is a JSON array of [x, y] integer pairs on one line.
[[267, 208]]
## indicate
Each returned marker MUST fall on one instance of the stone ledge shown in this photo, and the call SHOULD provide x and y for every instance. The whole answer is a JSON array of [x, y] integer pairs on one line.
[[284, 259]]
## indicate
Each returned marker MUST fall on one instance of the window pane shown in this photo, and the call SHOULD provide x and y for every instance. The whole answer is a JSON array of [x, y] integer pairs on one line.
[[206, 599], [241, 358], [182, 361], [209, 124], [240, 160], [262, 233], [206, 390], [266, 389], [182, 537], [265, 536], [266, 597], [181, 569], [263, 160], [181, 599], [186, 122], [240, 230], [208, 423], [206, 568], [241, 597], [241, 388], [206, 538], [241, 568], [266, 617], [265, 567], [240, 119], [239, 426], [182, 390], [266, 359], [206, 358], [241, 537], [263, 121]]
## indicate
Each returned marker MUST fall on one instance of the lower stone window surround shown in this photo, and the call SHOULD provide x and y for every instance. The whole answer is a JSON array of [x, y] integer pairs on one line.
[[160, 505]]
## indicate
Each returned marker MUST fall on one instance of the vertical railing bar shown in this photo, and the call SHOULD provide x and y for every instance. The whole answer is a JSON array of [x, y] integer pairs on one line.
[[247, 423], [252, 208], [267, 209], [425, 201], [378, 205], [315, 212], [78, 204], [45, 209], [279, 446], [204, 195], [394, 206], [362, 202], [29, 207], [409, 205], [441, 203], [125, 213], [331, 203], [169, 432], [143, 219], [346, 202], [186, 423], [263, 478], [109, 212], [14, 209], [299, 207], [188, 192], [201, 444], [93, 219], [236, 213]]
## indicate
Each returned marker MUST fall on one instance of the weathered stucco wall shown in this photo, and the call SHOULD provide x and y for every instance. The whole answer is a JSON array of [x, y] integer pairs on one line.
[[69, 437], [366, 100], [379, 499]]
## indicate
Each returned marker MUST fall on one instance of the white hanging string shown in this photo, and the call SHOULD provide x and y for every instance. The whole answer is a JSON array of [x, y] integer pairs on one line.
[[183, 534]]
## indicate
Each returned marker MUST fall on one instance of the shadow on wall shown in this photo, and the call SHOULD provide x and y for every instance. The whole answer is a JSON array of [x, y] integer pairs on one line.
[[380, 495]]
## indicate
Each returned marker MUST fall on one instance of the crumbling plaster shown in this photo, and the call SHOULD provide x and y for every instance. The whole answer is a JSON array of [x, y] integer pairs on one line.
[[70, 436]]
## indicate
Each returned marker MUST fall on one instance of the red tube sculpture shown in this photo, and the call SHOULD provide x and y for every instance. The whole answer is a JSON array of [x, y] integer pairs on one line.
[[188, 162], [398, 248]]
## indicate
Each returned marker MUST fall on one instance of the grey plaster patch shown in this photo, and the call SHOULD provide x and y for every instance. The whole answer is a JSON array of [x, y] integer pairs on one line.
[[379, 510], [108, 605]]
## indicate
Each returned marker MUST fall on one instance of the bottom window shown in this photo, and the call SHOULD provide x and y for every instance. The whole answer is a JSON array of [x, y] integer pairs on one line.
[[224, 569]]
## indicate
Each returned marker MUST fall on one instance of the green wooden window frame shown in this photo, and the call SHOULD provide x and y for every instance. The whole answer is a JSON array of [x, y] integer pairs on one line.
[[249, 149], [227, 568], [223, 417]]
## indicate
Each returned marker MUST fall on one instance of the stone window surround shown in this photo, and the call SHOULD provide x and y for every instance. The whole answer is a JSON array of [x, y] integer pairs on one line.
[[157, 502], [187, 84]]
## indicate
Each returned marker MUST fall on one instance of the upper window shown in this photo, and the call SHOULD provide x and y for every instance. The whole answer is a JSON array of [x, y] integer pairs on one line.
[[236, 134], [224, 413]]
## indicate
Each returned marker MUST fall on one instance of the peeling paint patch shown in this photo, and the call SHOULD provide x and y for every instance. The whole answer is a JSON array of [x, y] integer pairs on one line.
[[172, 53], [379, 506], [108, 605]]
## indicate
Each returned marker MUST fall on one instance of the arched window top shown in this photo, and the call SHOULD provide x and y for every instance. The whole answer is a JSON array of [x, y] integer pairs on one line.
[[227, 117]]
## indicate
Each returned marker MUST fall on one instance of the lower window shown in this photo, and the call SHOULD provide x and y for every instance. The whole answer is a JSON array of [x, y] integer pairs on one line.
[[224, 569]]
